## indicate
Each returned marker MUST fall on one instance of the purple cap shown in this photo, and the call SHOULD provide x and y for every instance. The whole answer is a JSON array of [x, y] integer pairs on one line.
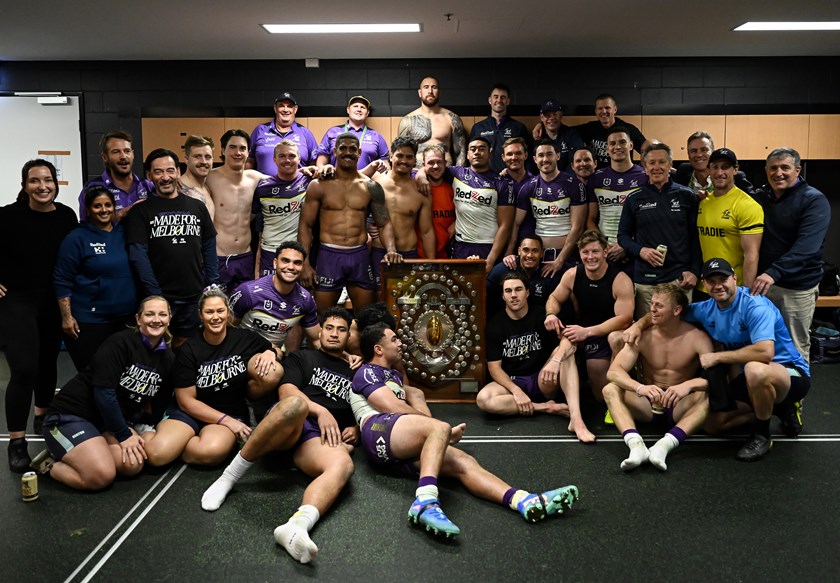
[[286, 97], [550, 105]]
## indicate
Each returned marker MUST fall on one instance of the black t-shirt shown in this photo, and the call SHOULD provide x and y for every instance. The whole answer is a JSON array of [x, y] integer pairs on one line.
[[219, 373], [325, 379], [595, 137], [125, 363], [174, 231], [524, 345]]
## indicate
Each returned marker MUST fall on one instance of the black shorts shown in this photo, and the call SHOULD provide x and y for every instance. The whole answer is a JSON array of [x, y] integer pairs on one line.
[[185, 320], [800, 384]]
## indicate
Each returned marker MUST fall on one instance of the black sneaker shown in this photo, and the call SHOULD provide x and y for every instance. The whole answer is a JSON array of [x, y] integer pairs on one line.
[[38, 424], [19, 459], [756, 448], [791, 417]]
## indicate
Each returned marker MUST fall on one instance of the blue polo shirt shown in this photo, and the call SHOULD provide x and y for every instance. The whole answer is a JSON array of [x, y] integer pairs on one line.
[[373, 145], [140, 189], [266, 136]]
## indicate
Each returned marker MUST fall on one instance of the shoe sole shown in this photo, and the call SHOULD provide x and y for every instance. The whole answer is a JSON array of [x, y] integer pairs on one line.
[[414, 521]]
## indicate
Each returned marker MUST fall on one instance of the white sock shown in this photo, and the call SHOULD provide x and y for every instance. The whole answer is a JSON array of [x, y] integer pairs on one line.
[[638, 452], [294, 536], [426, 493], [215, 495], [660, 450]]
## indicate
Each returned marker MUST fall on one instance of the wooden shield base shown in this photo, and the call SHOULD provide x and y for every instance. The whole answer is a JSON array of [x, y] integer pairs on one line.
[[439, 306]]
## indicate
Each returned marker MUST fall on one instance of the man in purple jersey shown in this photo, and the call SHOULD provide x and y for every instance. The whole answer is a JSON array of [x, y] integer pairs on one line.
[[125, 185], [515, 156], [399, 435], [274, 304], [277, 203], [557, 201], [483, 207], [283, 127], [373, 145], [609, 187], [313, 422]]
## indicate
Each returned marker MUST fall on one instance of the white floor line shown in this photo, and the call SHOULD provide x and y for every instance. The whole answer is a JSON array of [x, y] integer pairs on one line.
[[819, 437], [134, 525], [116, 528]]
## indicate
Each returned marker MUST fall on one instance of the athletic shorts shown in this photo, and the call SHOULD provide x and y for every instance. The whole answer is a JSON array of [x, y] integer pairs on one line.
[[377, 254], [800, 384], [235, 269], [339, 267], [378, 427], [597, 347], [309, 431], [63, 432], [185, 320], [531, 385], [462, 250], [174, 412], [266, 262]]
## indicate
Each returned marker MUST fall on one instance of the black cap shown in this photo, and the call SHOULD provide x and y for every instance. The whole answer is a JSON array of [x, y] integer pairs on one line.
[[716, 265], [286, 97], [724, 153], [550, 105]]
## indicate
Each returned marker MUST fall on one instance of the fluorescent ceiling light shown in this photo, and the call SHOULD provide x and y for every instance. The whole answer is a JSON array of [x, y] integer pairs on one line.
[[339, 28], [777, 26]]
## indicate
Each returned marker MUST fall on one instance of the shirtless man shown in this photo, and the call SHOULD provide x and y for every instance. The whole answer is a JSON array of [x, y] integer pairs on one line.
[[406, 207], [341, 204], [669, 389], [232, 188], [432, 124], [198, 152]]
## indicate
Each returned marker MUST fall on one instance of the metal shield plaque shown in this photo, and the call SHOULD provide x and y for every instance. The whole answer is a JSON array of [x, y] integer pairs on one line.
[[439, 309]]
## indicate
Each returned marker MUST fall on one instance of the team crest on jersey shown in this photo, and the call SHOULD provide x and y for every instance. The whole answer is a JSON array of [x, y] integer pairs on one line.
[[634, 182], [267, 304], [607, 181], [275, 190], [538, 289], [257, 288], [296, 311], [726, 215], [620, 181], [675, 203]]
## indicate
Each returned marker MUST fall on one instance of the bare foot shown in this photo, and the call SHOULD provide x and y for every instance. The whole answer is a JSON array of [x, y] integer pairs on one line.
[[579, 428], [457, 433], [552, 408]]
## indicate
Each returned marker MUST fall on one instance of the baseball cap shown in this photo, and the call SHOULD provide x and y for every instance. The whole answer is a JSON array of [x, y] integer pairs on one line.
[[359, 99], [716, 265], [286, 97], [550, 105], [723, 153]]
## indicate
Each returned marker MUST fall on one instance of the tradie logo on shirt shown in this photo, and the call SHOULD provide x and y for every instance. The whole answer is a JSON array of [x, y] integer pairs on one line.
[[725, 215]]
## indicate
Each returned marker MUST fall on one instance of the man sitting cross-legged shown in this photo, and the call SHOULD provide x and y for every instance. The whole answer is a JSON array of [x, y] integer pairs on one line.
[[526, 364], [669, 388], [400, 435], [314, 421]]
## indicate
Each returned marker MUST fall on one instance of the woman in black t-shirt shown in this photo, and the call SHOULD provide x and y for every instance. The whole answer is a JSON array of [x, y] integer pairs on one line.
[[90, 425], [214, 373]]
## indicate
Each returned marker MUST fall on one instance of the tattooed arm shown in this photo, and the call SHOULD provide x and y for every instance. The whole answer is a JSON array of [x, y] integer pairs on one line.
[[459, 141], [418, 127], [379, 210]]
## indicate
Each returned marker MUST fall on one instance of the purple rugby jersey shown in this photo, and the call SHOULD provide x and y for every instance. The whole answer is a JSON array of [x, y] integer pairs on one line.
[[261, 308]]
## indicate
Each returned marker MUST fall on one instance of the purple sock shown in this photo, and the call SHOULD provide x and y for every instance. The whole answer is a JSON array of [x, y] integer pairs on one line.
[[427, 481], [678, 433], [629, 431], [508, 496]]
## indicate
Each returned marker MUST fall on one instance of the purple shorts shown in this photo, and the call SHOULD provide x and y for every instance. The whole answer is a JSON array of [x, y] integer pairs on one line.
[[462, 250], [597, 347], [339, 267], [379, 427], [235, 269], [531, 385], [267, 262], [377, 254], [63, 432]]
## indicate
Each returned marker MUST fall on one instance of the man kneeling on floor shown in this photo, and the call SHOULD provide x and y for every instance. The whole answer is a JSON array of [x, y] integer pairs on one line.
[[669, 388], [313, 421], [526, 364], [400, 435]]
